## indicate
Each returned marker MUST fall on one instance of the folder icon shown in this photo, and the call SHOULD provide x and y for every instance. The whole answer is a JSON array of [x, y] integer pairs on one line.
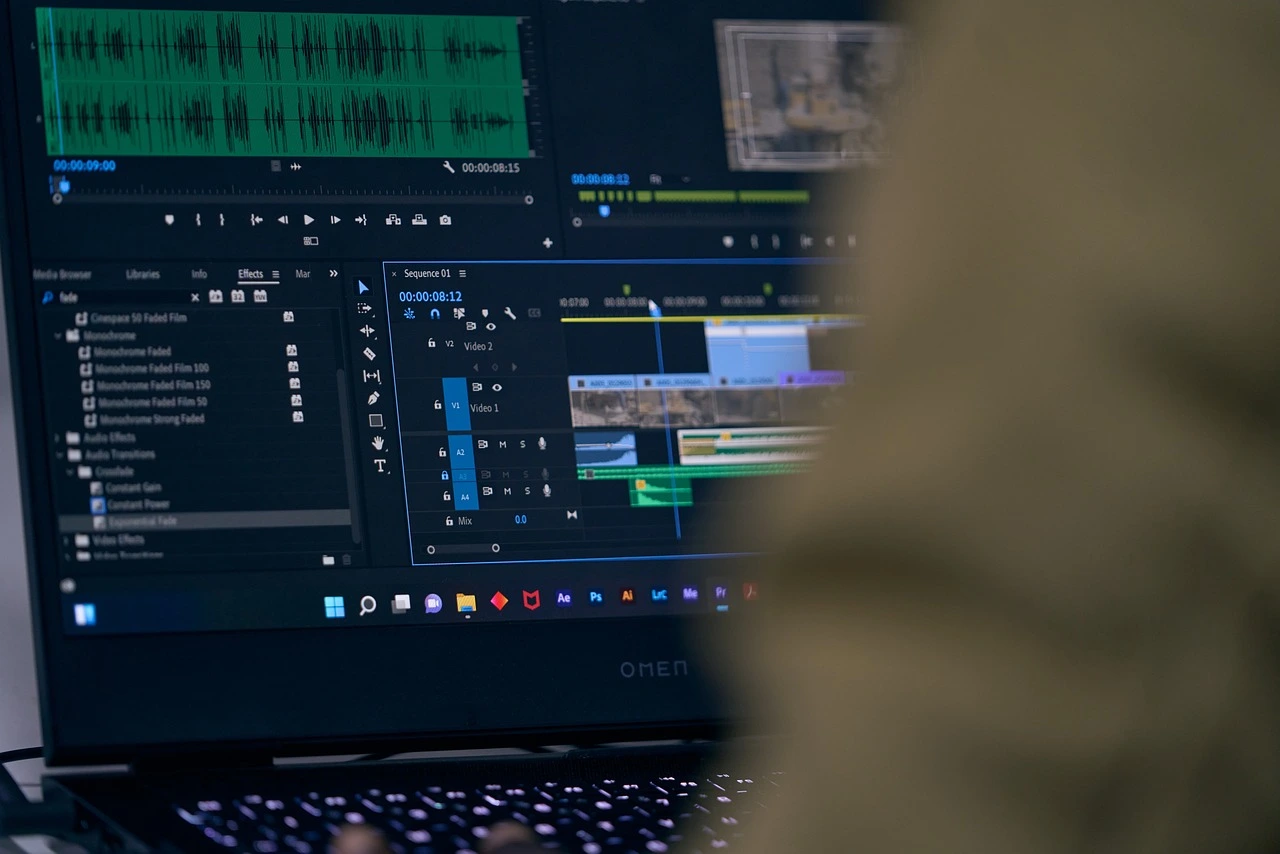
[[466, 603]]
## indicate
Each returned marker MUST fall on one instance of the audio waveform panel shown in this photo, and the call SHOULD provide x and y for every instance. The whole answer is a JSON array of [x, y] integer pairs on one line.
[[121, 82]]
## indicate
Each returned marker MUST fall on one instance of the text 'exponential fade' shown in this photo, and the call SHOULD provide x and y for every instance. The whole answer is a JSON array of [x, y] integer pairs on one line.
[[171, 83]]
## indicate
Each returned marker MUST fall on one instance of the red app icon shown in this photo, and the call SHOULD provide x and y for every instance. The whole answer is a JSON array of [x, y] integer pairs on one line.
[[499, 601], [533, 601], [750, 591]]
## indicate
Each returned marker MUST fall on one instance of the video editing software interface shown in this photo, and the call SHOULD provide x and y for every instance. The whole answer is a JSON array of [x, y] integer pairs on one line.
[[353, 317]]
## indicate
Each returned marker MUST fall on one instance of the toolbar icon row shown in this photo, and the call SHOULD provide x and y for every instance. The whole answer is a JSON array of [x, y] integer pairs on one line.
[[257, 219], [236, 296], [532, 600]]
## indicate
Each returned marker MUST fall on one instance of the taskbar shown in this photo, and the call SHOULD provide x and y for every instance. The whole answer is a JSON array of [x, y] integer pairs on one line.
[[271, 601]]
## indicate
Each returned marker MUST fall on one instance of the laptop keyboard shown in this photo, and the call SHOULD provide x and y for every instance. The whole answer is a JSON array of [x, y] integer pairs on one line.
[[698, 813]]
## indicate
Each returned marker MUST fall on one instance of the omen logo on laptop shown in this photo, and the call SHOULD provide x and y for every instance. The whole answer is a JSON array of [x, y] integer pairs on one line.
[[653, 669]]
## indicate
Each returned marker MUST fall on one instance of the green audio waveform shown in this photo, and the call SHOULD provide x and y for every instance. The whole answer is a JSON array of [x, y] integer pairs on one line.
[[670, 493], [124, 82], [659, 473]]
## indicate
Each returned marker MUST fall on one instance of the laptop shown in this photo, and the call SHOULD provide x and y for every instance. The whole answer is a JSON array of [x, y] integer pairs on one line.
[[385, 377]]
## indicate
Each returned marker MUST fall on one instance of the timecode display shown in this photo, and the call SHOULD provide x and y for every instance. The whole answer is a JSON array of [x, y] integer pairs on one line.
[[491, 168], [600, 179], [84, 166], [431, 296]]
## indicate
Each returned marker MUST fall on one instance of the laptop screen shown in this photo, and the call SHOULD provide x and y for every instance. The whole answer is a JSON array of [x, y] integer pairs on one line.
[[334, 317]]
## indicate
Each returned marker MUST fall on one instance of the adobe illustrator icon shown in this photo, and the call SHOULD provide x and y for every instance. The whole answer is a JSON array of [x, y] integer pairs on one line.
[[533, 600]]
